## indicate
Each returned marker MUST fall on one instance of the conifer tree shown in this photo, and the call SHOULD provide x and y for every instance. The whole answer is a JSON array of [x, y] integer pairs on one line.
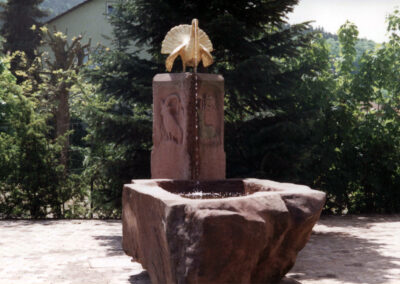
[[19, 16]]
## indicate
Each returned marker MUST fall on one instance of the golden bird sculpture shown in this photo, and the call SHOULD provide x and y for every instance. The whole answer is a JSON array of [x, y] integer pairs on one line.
[[190, 43]]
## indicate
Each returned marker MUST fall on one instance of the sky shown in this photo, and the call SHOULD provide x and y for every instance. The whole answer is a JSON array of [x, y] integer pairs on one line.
[[368, 15]]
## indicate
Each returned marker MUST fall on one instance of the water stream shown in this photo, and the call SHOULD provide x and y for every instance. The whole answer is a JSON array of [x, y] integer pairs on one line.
[[197, 131], [196, 124]]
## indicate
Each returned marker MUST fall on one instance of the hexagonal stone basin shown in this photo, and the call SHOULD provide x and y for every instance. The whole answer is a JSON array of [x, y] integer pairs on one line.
[[251, 236]]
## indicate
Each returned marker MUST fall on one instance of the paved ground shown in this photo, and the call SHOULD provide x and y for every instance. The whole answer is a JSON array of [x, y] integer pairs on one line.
[[350, 249]]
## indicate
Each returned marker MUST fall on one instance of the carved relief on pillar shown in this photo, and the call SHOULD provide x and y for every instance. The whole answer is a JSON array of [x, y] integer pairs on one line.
[[171, 114], [174, 128], [210, 119]]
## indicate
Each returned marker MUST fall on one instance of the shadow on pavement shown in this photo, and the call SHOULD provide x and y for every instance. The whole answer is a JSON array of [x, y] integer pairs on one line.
[[113, 244], [141, 278], [359, 221], [343, 257], [17, 223]]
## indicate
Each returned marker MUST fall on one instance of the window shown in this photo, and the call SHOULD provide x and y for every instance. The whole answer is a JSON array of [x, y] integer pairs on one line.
[[110, 6]]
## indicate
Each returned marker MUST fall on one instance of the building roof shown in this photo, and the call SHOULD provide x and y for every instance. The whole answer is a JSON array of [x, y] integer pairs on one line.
[[54, 16], [56, 8]]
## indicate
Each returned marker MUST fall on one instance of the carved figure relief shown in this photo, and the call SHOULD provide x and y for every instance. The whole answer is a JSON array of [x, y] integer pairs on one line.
[[209, 120], [171, 114]]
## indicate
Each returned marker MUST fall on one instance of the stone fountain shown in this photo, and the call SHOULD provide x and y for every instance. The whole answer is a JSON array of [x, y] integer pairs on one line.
[[189, 224]]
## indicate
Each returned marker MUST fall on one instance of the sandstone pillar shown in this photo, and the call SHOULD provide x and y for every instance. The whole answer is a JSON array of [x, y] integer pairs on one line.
[[174, 132]]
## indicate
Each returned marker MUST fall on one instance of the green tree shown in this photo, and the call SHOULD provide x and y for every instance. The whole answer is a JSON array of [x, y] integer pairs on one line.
[[1, 66], [360, 169], [337, 168], [40, 130], [29, 172], [377, 88], [1, 43], [58, 73], [347, 35]]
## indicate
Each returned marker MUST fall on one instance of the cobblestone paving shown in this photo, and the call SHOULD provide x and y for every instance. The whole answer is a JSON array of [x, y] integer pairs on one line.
[[351, 249]]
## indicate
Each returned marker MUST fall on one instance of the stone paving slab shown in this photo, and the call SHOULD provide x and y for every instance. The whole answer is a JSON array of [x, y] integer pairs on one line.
[[77, 251], [345, 250], [351, 249]]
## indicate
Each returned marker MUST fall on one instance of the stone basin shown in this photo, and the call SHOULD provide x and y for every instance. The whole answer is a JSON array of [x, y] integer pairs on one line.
[[253, 236]]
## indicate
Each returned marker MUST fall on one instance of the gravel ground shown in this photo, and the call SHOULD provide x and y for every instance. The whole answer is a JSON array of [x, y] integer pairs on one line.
[[351, 249]]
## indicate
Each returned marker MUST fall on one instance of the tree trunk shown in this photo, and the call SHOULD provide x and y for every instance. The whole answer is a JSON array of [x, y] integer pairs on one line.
[[63, 124]]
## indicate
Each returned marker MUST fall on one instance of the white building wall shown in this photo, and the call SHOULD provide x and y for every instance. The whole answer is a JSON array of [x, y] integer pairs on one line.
[[89, 20]]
